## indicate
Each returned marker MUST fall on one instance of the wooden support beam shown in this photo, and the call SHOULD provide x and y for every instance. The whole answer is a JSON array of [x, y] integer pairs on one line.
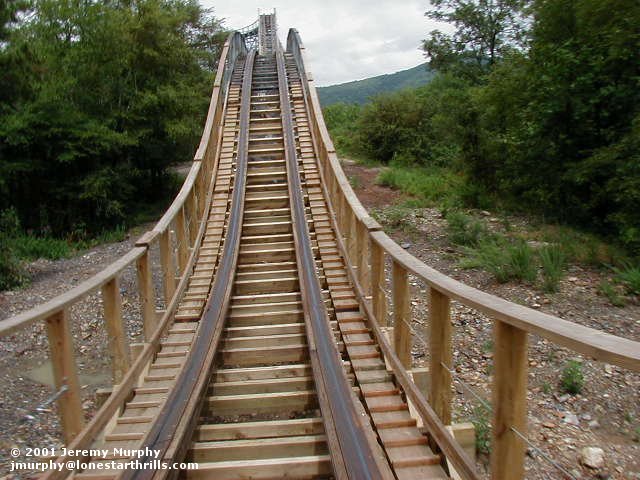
[[65, 374], [352, 228], [183, 243], [401, 315], [167, 262], [147, 295], [441, 354], [363, 259], [194, 219], [116, 331], [378, 295], [509, 402]]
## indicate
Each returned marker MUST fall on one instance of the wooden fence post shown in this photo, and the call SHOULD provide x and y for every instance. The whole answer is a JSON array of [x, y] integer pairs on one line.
[[352, 228], [378, 297], [509, 401], [116, 332], [363, 259], [147, 295], [441, 353], [167, 262], [401, 315], [194, 222], [183, 244], [65, 374]]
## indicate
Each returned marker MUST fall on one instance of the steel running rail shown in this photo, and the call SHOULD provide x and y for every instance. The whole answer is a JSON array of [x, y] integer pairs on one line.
[[351, 451], [176, 418]]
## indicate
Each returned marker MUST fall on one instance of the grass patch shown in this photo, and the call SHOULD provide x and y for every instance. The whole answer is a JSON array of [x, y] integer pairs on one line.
[[31, 248], [355, 181], [572, 379], [612, 293], [578, 247], [432, 186], [504, 259], [395, 217], [465, 230], [629, 276], [553, 261]]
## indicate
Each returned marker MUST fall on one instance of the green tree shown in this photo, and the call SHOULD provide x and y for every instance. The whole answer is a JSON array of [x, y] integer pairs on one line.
[[560, 124], [112, 93], [484, 31]]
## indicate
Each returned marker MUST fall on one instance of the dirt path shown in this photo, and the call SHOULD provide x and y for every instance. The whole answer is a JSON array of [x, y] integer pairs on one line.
[[606, 414]]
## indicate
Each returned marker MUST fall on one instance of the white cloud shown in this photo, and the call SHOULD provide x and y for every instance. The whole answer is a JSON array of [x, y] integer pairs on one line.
[[345, 39]]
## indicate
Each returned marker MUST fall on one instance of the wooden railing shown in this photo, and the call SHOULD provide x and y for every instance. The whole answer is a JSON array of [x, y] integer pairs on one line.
[[368, 248], [178, 234]]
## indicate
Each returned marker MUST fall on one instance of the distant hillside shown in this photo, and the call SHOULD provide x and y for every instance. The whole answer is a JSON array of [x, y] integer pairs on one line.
[[360, 90]]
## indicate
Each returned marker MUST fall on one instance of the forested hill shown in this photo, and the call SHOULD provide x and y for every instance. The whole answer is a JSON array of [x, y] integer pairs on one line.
[[360, 91]]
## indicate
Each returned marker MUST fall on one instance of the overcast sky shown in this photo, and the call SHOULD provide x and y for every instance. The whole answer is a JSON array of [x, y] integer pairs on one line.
[[345, 39]]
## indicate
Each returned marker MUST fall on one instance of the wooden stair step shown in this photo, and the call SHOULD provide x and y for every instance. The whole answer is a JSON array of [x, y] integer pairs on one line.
[[261, 448]]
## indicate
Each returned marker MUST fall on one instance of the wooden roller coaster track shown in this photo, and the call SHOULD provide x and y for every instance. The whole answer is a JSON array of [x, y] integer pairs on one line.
[[269, 359]]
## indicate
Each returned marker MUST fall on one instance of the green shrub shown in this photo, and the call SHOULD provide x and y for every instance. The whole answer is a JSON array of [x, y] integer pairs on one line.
[[464, 230], [481, 419], [503, 259], [611, 292], [521, 261], [394, 217], [629, 275], [553, 263], [32, 248], [572, 379]]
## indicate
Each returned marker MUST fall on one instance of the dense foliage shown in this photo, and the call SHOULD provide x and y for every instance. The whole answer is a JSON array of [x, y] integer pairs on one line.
[[97, 99], [552, 127]]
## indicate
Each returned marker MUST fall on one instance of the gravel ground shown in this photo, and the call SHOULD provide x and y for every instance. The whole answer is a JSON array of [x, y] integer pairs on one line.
[[27, 417], [606, 414]]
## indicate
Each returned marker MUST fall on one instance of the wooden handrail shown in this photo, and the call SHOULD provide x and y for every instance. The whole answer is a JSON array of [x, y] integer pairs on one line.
[[65, 300]]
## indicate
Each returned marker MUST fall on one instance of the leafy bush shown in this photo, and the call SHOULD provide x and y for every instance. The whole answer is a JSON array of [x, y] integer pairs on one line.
[[611, 292], [341, 119], [481, 419], [629, 275], [553, 262], [465, 230], [504, 259], [572, 379]]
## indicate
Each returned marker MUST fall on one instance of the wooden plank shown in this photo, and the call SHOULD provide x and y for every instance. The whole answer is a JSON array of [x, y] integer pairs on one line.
[[441, 355], [289, 467], [65, 374], [116, 332], [509, 401], [263, 429]]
